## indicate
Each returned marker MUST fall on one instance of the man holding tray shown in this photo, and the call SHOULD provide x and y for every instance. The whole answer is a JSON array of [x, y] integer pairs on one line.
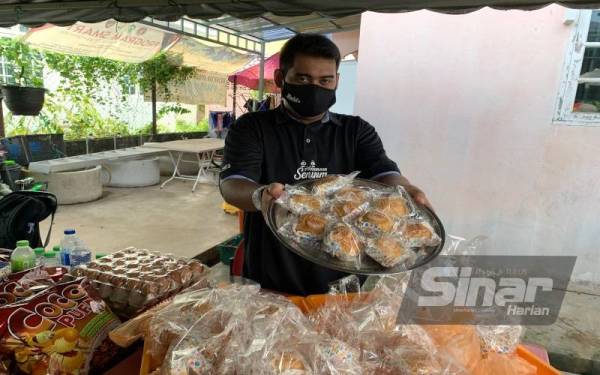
[[299, 140]]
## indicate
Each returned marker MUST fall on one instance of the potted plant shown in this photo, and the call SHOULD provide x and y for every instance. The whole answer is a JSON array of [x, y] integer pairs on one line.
[[26, 96]]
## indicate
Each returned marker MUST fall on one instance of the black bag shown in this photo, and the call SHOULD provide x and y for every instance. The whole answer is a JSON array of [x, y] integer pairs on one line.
[[20, 215]]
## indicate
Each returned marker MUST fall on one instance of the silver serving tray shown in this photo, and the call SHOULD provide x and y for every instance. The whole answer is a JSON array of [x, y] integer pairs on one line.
[[277, 215]]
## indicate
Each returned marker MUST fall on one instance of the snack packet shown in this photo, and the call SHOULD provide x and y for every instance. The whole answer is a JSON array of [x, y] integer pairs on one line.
[[299, 201], [388, 250], [374, 223], [418, 233], [60, 331], [306, 229], [332, 183], [24, 284], [342, 241]]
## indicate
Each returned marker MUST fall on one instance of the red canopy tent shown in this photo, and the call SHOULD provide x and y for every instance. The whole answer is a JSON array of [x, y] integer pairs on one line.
[[250, 77]]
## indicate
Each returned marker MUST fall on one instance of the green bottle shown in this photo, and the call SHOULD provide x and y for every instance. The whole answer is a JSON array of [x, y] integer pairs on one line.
[[23, 257]]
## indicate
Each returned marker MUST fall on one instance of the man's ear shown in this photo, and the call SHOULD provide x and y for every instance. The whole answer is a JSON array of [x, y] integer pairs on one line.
[[279, 77], [337, 80]]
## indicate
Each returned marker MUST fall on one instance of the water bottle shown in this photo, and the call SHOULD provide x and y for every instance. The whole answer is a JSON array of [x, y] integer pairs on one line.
[[66, 245], [51, 259], [23, 257], [39, 255], [80, 254]]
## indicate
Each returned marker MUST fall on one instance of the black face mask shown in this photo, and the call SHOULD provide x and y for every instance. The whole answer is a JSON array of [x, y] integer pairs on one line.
[[308, 100]]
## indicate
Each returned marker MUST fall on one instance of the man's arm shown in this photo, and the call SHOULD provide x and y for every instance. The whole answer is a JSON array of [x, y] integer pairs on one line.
[[238, 192]]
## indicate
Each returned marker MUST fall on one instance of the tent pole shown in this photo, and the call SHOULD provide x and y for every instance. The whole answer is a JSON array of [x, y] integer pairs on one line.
[[261, 77], [2, 135], [154, 127], [234, 94]]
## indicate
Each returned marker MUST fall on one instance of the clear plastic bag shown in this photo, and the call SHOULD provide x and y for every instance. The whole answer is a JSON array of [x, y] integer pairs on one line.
[[500, 338], [397, 204], [332, 183], [374, 223], [306, 229], [419, 233], [299, 200], [388, 250], [343, 242]]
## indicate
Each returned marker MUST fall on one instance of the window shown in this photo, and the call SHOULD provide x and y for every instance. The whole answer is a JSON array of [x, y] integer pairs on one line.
[[6, 72], [579, 99]]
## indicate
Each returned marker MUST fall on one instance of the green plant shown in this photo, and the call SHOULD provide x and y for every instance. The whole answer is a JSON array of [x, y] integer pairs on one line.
[[26, 63]]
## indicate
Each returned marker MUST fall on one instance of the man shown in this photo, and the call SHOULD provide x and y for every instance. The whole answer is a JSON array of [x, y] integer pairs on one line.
[[298, 140]]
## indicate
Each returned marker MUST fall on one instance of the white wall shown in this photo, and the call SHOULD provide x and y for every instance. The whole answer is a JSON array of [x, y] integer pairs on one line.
[[346, 90], [464, 104]]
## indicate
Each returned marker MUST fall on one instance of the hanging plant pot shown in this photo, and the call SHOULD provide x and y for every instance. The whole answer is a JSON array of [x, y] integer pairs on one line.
[[24, 101]]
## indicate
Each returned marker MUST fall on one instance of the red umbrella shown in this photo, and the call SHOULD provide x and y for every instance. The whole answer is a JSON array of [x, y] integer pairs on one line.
[[249, 77]]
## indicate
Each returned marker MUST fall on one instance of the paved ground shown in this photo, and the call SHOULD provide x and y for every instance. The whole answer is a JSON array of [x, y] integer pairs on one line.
[[171, 220]]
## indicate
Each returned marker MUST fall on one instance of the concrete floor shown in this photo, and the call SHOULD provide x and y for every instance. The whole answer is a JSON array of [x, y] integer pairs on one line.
[[169, 220]]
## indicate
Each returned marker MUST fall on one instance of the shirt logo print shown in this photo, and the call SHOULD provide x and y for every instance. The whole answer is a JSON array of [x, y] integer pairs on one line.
[[292, 98], [309, 171]]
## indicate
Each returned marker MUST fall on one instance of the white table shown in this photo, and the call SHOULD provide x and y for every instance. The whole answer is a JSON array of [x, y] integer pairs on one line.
[[204, 149]]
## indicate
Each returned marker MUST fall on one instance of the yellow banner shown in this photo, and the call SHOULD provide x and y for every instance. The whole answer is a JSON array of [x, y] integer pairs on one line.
[[203, 88], [208, 56], [127, 42]]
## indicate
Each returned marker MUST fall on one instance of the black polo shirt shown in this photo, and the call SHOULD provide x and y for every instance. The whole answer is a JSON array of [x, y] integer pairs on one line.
[[271, 146]]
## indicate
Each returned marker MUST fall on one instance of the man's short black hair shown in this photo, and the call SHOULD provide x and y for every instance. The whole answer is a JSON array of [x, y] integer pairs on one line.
[[314, 45]]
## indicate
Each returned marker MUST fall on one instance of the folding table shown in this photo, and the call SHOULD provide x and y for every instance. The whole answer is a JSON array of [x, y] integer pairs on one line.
[[204, 149]]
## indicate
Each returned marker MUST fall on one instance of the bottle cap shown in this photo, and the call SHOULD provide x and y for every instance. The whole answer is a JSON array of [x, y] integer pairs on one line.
[[69, 231], [39, 251], [22, 243]]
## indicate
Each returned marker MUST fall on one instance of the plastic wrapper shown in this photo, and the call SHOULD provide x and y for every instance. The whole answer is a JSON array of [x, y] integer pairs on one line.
[[374, 223], [332, 183], [131, 280], [396, 204], [500, 338], [388, 250], [299, 200], [418, 233], [347, 210], [25, 284], [307, 229], [60, 331], [342, 241]]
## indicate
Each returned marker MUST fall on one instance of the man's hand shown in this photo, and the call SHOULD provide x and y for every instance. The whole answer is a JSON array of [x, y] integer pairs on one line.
[[273, 191], [418, 195]]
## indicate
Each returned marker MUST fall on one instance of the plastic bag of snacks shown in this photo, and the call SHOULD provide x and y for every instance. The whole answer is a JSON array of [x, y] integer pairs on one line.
[[299, 200], [343, 241], [60, 331], [24, 284], [332, 183]]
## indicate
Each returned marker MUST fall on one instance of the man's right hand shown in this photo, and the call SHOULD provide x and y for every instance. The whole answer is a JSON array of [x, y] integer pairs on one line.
[[272, 192]]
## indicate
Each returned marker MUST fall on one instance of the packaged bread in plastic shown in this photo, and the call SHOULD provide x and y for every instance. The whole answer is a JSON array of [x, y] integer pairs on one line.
[[388, 250], [375, 223], [332, 183], [342, 241], [396, 203], [299, 201], [418, 233], [307, 229]]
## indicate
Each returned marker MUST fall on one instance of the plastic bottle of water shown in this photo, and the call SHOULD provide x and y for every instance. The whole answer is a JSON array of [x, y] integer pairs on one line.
[[22, 257], [66, 245], [80, 254]]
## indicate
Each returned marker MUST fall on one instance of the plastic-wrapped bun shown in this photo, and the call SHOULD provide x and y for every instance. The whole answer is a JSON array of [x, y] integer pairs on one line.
[[348, 210], [338, 358], [420, 233], [388, 250], [341, 241], [307, 229], [353, 194], [332, 183], [289, 363], [299, 200], [374, 223], [394, 206]]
